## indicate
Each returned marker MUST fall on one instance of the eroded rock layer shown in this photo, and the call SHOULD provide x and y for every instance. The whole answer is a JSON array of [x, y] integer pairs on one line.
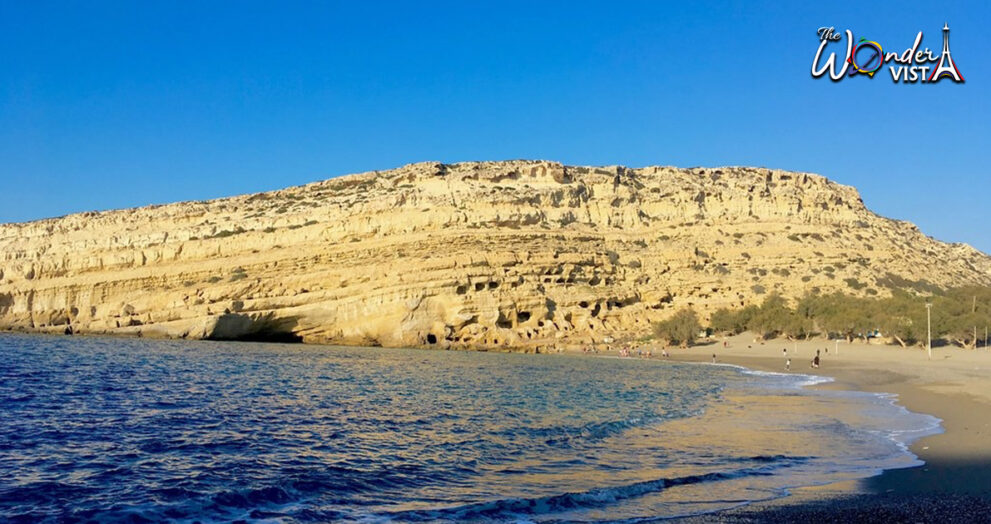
[[519, 254]]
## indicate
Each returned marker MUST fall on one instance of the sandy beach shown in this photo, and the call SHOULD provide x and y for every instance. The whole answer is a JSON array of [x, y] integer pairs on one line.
[[955, 482]]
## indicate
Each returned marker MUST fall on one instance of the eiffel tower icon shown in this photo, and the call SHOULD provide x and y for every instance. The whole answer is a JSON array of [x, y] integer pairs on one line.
[[945, 67]]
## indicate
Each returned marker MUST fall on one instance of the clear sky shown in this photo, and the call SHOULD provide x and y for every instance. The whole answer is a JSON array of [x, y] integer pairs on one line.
[[119, 104]]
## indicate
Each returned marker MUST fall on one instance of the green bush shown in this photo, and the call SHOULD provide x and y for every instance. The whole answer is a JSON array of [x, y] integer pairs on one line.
[[226, 233], [728, 321], [681, 329], [854, 283], [956, 315]]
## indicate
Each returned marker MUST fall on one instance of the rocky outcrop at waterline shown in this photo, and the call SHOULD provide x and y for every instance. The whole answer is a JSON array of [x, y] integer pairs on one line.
[[516, 254]]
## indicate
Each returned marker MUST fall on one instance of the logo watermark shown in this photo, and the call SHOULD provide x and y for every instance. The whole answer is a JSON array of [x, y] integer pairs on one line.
[[867, 57]]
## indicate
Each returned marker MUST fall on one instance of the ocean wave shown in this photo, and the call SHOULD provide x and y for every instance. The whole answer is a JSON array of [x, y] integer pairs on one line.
[[889, 420], [923, 425], [791, 379], [512, 508]]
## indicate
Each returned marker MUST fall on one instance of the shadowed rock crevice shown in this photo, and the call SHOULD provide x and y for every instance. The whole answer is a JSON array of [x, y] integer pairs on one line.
[[245, 328]]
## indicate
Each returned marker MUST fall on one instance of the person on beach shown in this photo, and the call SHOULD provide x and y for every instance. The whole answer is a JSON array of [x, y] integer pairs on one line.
[[788, 364], [815, 362], [784, 352], [713, 358]]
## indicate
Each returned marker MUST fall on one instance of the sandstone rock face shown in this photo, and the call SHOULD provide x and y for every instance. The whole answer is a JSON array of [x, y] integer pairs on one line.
[[500, 255]]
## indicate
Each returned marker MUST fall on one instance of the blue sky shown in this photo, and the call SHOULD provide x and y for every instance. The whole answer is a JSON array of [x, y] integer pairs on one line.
[[119, 104]]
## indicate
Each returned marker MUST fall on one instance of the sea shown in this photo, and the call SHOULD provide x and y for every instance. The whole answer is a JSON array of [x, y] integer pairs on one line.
[[137, 430]]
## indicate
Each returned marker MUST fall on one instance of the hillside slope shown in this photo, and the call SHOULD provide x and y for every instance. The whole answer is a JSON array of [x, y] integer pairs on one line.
[[515, 254]]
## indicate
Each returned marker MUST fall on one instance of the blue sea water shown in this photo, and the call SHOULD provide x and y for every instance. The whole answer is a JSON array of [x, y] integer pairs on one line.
[[97, 429]]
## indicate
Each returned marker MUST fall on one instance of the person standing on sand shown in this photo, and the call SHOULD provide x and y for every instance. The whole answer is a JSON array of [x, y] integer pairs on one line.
[[713, 358], [787, 364]]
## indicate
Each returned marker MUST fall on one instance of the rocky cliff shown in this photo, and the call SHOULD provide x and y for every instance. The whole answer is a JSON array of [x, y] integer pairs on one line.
[[519, 254]]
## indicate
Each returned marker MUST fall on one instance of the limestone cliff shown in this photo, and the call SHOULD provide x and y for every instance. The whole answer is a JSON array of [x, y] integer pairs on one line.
[[516, 254]]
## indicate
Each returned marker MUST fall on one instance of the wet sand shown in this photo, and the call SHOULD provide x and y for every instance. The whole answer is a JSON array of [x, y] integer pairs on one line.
[[954, 484]]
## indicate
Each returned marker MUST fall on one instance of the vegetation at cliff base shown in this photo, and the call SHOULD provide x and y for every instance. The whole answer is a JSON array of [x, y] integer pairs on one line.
[[959, 316], [681, 329]]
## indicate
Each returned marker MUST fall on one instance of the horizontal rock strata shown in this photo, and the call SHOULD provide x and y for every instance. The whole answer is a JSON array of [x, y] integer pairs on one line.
[[520, 254]]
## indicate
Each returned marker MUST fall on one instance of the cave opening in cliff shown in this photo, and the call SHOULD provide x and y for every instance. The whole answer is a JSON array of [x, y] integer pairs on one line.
[[266, 335], [431, 338], [243, 328]]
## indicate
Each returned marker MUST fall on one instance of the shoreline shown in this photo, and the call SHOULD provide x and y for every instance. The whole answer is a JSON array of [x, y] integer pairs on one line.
[[955, 386]]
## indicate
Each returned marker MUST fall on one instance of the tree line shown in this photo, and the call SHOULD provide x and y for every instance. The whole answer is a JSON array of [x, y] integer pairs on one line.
[[959, 316]]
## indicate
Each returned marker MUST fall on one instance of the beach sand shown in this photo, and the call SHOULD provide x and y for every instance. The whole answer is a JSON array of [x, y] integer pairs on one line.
[[954, 484]]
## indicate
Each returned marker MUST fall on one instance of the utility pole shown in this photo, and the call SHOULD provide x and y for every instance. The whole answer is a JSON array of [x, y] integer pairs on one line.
[[929, 329]]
